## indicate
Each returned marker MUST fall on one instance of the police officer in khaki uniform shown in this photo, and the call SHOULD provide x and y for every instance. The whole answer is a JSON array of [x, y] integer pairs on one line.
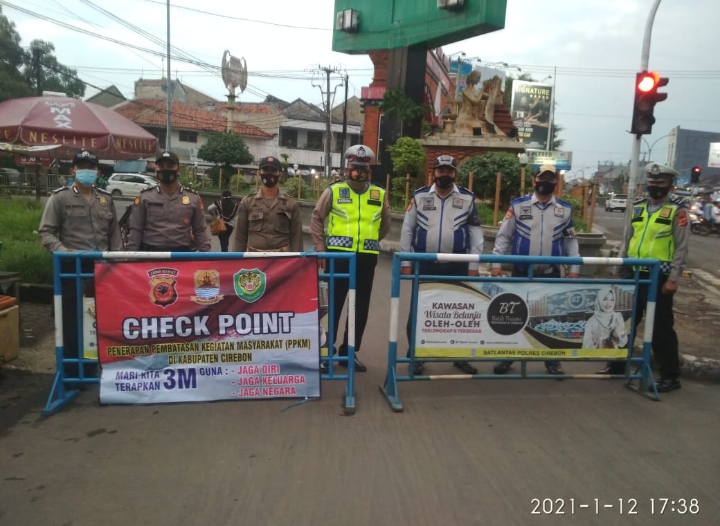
[[167, 217], [79, 217], [269, 220]]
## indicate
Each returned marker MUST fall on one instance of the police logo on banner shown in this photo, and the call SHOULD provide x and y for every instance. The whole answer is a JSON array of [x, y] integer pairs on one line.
[[207, 287], [249, 284], [162, 286]]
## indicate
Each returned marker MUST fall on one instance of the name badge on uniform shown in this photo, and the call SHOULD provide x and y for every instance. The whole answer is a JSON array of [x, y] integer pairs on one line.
[[525, 212], [375, 195], [637, 211], [457, 202], [103, 201], [344, 192], [344, 198], [665, 212], [186, 200], [428, 203], [559, 211]]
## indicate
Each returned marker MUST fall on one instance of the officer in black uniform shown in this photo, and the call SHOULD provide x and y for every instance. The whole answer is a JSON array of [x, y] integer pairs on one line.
[[79, 217], [168, 217]]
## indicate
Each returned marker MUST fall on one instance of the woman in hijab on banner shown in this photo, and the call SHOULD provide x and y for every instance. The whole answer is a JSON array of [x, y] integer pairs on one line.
[[606, 328]]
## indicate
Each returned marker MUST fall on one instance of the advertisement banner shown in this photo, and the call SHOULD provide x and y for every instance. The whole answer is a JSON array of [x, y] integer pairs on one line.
[[523, 320], [560, 160], [714, 155], [530, 111], [466, 68], [89, 329], [180, 331]]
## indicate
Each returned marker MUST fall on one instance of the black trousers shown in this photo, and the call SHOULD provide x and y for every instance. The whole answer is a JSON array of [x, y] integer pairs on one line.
[[552, 272], [70, 300], [664, 338], [224, 238], [434, 269], [364, 277]]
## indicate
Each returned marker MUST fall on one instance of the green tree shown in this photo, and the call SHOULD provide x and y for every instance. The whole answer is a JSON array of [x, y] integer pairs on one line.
[[225, 149], [485, 168], [12, 59], [396, 104], [557, 128], [24, 73], [408, 157]]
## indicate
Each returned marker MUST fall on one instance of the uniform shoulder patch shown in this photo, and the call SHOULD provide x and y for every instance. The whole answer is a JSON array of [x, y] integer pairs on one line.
[[682, 217], [410, 205], [61, 189], [137, 200], [509, 213]]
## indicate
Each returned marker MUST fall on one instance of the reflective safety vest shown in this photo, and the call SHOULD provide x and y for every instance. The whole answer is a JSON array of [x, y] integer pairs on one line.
[[653, 234], [354, 221]]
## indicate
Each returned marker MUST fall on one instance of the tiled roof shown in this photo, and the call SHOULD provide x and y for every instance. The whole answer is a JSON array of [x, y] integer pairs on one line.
[[152, 112], [249, 108]]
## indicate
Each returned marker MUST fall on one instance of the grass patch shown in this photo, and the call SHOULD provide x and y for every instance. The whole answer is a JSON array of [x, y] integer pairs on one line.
[[22, 251]]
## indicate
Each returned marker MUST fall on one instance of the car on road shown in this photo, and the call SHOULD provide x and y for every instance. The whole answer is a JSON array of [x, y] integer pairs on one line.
[[127, 184], [616, 202]]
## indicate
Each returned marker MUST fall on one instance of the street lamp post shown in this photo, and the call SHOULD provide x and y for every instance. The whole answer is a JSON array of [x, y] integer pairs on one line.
[[523, 158], [297, 178]]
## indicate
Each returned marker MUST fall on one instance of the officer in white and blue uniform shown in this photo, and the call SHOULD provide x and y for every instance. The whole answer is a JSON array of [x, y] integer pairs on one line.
[[537, 225], [442, 218]]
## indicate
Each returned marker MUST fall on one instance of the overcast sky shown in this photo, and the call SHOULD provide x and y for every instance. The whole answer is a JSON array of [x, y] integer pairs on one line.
[[595, 45]]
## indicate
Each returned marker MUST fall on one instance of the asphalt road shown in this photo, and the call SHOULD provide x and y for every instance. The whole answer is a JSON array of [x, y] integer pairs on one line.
[[462, 453], [704, 252]]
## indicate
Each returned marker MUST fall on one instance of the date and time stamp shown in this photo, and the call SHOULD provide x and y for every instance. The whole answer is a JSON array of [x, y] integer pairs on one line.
[[621, 506]]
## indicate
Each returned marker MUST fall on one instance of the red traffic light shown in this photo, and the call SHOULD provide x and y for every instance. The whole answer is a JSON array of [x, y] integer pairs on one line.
[[647, 81]]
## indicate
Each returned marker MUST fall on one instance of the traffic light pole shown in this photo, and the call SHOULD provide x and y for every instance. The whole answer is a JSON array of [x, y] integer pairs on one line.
[[634, 160]]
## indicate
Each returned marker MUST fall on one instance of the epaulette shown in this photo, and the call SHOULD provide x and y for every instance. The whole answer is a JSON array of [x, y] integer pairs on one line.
[[153, 187], [564, 203], [102, 191], [639, 200], [61, 189], [189, 190], [465, 191], [423, 190], [336, 182], [521, 199]]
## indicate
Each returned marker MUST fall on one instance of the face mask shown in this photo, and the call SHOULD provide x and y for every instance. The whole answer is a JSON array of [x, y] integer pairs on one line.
[[658, 192], [545, 187], [269, 180], [167, 176], [86, 177], [357, 175], [444, 181]]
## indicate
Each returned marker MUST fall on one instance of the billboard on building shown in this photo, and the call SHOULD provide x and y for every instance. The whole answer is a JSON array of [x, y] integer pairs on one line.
[[530, 110], [560, 160], [714, 155], [466, 68]]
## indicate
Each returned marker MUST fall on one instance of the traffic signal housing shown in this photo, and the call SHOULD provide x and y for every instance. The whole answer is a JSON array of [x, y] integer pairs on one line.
[[646, 96], [695, 174]]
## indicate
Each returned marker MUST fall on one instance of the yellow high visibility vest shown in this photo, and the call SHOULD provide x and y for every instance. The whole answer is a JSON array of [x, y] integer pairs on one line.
[[354, 221]]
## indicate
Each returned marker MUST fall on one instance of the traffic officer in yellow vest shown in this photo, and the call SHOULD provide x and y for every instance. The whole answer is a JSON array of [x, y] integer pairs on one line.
[[168, 217], [358, 218], [660, 230]]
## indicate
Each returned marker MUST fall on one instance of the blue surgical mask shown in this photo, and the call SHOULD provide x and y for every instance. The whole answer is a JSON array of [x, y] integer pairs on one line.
[[86, 177]]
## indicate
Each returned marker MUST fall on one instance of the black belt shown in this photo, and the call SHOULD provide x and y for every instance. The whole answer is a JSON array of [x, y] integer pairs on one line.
[[148, 248]]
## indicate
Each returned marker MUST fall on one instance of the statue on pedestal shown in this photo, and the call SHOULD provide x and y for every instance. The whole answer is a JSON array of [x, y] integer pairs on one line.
[[477, 108]]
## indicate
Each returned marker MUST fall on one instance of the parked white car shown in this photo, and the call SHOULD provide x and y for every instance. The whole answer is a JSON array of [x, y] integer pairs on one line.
[[122, 184], [616, 202]]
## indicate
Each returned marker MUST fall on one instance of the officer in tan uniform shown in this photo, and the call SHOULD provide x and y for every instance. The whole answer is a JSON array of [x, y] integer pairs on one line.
[[79, 217], [269, 220], [167, 217]]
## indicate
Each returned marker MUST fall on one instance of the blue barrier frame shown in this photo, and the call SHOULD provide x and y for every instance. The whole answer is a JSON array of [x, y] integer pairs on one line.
[[66, 388], [643, 371]]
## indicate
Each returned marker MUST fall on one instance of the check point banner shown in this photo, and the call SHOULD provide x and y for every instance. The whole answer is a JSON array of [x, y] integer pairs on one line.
[[523, 320], [180, 331]]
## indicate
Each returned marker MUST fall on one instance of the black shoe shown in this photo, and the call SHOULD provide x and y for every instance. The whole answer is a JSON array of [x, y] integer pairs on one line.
[[612, 368], [554, 368], [359, 366], [665, 385], [502, 367], [418, 368], [465, 367], [324, 367]]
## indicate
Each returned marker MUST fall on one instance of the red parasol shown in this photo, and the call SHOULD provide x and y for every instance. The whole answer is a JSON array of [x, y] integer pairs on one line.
[[70, 125]]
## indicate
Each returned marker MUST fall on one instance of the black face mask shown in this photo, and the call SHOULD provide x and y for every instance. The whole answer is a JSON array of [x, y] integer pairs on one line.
[[167, 176], [545, 187], [658, 192], [444, 181], [269, 180]]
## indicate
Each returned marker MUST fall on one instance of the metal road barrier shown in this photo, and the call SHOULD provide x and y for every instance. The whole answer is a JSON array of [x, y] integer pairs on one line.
[[78, 366], [522, 319]]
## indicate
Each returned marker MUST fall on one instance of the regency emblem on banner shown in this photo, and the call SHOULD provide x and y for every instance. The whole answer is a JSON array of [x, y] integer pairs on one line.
[[162, 286], [249, 284], [207, 287]]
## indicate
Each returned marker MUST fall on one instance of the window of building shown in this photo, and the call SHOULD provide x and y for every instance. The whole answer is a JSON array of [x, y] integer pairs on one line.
[[160, 133], [288, 138], [188, 136], [314, 140]]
